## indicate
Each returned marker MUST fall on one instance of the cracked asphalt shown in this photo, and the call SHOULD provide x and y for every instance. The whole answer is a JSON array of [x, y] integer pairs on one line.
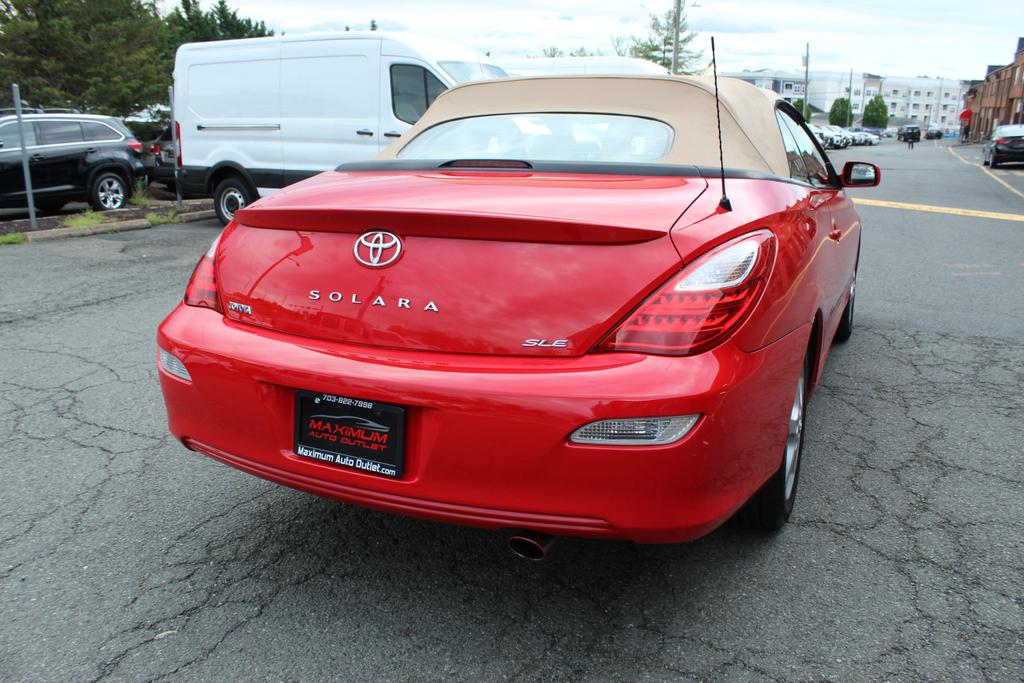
[[123, 556]]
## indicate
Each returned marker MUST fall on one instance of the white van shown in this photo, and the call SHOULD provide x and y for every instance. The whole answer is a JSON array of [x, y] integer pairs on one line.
[[257, 114]]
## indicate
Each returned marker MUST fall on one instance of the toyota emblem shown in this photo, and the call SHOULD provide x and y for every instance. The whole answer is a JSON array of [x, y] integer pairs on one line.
[[377, 249]]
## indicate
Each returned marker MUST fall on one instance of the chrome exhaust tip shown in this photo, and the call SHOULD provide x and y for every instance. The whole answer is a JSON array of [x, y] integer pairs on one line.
[[530, 545]]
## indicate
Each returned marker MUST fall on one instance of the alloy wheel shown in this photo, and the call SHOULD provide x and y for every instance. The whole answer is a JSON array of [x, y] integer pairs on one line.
[[794, 437], [111, 193]]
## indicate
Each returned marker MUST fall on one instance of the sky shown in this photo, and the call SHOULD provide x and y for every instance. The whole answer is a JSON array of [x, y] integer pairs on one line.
[[939, 38]]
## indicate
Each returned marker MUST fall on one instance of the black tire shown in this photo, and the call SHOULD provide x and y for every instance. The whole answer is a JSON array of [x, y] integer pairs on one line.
[[984, 159], [993, 162], [771, 506], [49, 206], [845, 329], [231, 194], [109, 191]]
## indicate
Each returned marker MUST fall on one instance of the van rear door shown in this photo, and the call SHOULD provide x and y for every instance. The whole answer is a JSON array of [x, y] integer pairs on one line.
[[329, 95]]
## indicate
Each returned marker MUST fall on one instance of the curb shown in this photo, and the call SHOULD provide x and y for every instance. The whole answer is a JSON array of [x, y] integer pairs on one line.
[[195, 216], [55, 233], [104, 228]]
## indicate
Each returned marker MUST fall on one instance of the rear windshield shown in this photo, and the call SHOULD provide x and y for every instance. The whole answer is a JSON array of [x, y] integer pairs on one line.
[[544, 137], [1009, 131]]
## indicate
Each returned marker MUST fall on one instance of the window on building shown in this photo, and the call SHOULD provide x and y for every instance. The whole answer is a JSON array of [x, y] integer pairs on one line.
[[917, 93], [856, 92], [929, 94], [916, 105], [870, 92], [895, 93], [785, 86], [892, 105], [943, 119], [945, 95]]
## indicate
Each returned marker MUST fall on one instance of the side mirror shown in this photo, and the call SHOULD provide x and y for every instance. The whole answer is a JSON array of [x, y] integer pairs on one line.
[[861, 174]]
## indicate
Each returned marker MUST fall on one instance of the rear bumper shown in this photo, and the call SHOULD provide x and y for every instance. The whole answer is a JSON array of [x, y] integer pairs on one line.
[[1002, 153], [487, 437]]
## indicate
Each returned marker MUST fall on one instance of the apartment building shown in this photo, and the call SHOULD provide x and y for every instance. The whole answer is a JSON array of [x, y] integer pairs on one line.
[[789, 85], [925, 101], [999, 99]]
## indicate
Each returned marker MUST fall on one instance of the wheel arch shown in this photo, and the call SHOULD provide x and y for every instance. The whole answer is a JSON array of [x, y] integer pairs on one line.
[[112, 167], [229, 169]]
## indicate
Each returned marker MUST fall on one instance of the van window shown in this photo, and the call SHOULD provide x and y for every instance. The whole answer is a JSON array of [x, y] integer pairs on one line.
[[59, 132], [413, 89], [9, 135], [94, 130]]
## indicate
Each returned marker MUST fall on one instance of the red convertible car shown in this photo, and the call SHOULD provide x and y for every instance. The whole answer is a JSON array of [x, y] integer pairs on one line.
[[534, 313]]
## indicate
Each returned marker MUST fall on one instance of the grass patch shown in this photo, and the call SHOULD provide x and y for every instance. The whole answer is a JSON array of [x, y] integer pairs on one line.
[[156, 219], [139, 198], [86, 219], [13, 238]]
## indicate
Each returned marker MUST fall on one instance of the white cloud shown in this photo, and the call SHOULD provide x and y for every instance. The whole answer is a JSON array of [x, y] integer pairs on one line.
[[949, 38]]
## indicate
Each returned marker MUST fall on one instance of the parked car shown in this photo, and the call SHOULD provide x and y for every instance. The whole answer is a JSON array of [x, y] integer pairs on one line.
[[843, 137], [1005, 144], [72, 157], [827, 138], [504, 321], [933, 134], [909, 131], [160, 160], [258, 114], [889, 132]]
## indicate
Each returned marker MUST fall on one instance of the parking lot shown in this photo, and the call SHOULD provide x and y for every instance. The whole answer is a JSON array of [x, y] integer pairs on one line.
[[125, 556]]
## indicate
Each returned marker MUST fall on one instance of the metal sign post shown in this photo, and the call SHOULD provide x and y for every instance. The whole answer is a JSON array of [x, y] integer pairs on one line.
[[177, 151], [16, 93]]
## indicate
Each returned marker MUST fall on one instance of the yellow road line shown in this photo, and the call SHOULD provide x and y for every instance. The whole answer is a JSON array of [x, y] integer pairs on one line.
[[941, 209], [989, 173]]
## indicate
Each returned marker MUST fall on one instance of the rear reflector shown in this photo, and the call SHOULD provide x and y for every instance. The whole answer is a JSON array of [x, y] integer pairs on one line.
[[172, 365], [637, 431]]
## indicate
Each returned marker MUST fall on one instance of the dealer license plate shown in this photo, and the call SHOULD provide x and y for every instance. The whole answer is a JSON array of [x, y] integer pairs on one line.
[[353, 433]]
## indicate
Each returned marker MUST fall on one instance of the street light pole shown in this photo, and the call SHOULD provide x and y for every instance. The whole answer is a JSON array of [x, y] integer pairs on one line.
[[677, 13], [849, 101]]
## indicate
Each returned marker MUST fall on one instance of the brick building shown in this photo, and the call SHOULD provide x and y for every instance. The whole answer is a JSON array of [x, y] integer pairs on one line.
[[999, 99]]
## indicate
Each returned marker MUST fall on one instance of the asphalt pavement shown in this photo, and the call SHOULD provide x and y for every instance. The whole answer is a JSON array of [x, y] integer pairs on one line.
[[124, 556]]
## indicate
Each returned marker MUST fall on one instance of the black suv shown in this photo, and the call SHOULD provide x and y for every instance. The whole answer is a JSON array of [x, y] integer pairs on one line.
[[72, 157]]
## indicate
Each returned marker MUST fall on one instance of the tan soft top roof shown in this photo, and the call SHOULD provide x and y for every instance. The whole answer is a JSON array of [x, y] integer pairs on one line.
[[750, 134]]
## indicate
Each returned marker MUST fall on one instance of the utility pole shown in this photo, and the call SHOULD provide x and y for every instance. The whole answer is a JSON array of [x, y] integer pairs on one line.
[[29, 195], [849, 101], [807, 83], [675, 36]]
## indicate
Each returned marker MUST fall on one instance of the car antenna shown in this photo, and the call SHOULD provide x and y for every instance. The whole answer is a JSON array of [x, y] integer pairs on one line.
[[724, 204]]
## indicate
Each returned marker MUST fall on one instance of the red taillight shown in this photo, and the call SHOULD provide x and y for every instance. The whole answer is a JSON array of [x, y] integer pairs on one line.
[[135, 146], [702, 305], [202, 286], [1001, 141], [177, 140], [154, 148]]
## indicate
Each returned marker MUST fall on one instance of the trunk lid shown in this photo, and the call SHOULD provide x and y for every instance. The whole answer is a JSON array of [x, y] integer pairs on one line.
[[489, 263]]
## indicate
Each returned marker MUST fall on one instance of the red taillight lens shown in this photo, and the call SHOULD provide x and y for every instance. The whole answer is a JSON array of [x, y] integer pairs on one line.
[[154, 148], [202, 286], [135, 146], [1001, 141], [702, 305], [177, 140]]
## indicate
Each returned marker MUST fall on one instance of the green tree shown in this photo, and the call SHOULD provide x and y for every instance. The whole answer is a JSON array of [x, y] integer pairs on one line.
[[188, 23], [839, 114], [552, 52], [373, 24], [656, 46], [876, 114], [104, 56], [798, 104]]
